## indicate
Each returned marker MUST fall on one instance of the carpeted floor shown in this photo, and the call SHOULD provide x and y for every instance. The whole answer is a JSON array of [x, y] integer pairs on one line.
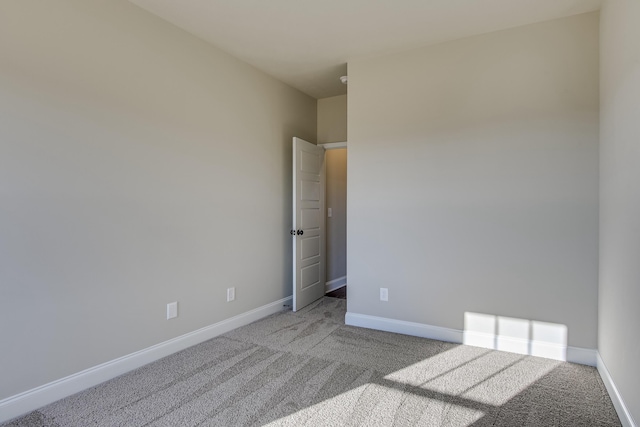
[[308, 368]]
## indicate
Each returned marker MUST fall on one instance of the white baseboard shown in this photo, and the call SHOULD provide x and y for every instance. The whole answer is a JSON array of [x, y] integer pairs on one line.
[[548, 350], [583, 356], [403, 327], [35, 398], [618, 403], [334, 284]]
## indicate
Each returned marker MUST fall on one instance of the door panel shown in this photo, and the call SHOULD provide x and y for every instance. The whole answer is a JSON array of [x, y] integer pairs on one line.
[[310, 248], [310, 219], [308, 223], [310, 276], [310, 191]]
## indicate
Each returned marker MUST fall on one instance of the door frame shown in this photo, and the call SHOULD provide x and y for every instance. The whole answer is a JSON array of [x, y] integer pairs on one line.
[[333, 145]]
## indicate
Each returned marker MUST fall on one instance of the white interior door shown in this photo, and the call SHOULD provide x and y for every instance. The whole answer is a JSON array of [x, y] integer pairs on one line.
[[308, 232]]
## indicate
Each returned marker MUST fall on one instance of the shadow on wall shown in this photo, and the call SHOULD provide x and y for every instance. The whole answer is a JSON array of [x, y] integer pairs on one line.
[[515, 335]]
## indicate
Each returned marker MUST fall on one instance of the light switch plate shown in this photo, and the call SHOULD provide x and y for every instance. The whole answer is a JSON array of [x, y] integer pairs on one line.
[[384, 294]]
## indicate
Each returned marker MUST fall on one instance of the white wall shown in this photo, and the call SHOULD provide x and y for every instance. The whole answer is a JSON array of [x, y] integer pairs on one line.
[[473, 179], [138, 166], [620, 198]]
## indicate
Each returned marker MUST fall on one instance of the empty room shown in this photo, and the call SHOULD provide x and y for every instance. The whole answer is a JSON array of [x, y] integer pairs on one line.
[[185, 186]]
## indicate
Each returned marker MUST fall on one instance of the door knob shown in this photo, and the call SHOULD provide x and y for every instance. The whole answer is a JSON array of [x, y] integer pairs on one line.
[[300, 232]]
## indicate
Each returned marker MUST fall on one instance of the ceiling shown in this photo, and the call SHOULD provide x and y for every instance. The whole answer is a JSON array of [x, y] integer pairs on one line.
[[307, 44]]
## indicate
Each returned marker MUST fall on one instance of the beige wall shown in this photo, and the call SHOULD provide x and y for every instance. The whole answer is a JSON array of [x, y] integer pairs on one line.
[[473, 179], [336, 199], [138, 166], [332, 119], [620, 198]]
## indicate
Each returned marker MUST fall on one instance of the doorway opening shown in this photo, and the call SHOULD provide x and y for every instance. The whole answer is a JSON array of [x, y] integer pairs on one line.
[[336, 219]]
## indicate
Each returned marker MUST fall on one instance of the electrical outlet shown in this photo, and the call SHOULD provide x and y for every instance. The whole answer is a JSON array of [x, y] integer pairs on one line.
[[172, 310], [231, 294], [384, 294]]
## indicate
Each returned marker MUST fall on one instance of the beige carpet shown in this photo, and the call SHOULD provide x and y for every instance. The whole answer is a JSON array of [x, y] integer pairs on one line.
[[308, 368]]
